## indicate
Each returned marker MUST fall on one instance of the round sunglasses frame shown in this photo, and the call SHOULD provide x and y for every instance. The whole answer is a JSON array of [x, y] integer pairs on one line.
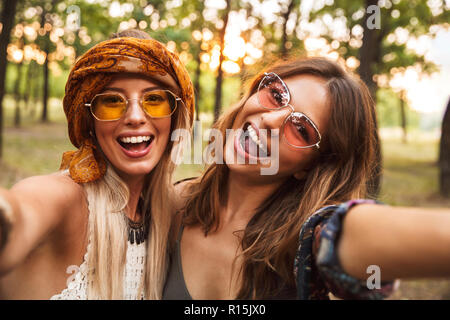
[[292, 114], [177, 99]]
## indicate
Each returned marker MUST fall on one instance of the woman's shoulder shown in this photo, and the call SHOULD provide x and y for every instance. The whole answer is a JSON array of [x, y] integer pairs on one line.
[[42, 183], [51, 189], [183, 184], [182, 193], [181, 197]]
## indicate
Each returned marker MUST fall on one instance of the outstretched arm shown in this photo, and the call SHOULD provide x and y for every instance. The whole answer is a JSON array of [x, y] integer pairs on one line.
[[403, 242], [30, 212]]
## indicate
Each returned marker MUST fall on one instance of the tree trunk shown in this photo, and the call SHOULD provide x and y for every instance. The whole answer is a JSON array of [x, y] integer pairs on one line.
[[243, 76], [30, 83], [17, 96], [444, 155], [218, 100], [283, 48], [44, 116], [368, 52], [403, 116], [35, 92], [368, 56], [8, 14], [197, 82]]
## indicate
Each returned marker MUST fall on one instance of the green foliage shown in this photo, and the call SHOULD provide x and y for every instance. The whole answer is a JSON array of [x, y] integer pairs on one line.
[[231, 92], [415, 17], [58, 84], [26, 149], [410, 175], [388, 111], [11, 75]]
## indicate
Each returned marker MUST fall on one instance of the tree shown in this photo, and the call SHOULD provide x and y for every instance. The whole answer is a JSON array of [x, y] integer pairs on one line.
[[381, 46], [369, 54], [45, 21], [444, 154], [279, 35], [195, 45], [403, 120], [8, 14], [52, 16], [218, 92], [293, 4]]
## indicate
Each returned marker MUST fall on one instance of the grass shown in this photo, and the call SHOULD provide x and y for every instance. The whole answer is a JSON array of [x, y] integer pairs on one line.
[[38, 149], [410, 176]]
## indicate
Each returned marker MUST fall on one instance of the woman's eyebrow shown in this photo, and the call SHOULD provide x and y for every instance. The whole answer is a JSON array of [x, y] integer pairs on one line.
[[152, 88], [166, 85], [114, 89], [124, 91], [301, 111]]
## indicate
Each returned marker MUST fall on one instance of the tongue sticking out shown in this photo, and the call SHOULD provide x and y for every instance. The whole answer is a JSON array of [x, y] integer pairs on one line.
[[251, 147]]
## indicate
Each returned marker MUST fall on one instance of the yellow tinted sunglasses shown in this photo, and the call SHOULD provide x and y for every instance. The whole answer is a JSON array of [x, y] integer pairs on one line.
[[112, 106]]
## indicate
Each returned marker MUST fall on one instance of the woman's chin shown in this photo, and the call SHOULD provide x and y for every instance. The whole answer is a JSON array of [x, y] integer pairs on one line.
[[134, 171]]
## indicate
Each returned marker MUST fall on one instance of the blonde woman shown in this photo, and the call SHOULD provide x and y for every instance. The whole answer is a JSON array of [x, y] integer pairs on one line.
[[98, 228]]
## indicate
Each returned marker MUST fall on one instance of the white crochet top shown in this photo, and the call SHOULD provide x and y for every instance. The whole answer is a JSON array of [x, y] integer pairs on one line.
[[133, 275]]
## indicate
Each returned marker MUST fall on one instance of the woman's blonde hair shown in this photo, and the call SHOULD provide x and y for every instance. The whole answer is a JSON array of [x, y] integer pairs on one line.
[[107, 199], [344, 170]]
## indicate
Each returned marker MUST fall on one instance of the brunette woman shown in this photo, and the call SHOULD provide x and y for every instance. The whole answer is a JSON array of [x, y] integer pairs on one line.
[[299, 233]]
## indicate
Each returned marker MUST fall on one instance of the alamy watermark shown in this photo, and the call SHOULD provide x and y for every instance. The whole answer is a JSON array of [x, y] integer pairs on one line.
[[374, 280], [72, 270], [231, 149], [374, 19], [73, 20]]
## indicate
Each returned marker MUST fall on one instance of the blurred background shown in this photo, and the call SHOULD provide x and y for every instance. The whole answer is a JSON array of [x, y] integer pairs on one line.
[[401, 50]]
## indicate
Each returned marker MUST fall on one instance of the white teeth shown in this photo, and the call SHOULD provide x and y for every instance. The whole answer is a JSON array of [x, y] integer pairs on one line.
[[254, 136], [137, 139]]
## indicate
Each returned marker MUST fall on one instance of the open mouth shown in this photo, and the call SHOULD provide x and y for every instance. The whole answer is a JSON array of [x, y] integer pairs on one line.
[[251, 142], [136, 143]]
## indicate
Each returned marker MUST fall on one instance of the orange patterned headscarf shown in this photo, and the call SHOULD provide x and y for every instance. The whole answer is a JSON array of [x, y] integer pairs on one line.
[[91, 73]]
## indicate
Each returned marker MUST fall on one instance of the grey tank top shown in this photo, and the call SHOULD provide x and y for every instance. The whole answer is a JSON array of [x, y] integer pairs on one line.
[[175, 287]]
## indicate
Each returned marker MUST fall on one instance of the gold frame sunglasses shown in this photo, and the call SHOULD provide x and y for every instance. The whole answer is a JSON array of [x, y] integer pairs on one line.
[[121, 110]]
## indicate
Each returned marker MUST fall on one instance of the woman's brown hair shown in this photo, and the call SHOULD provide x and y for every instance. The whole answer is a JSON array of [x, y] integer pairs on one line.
[[343, 170]]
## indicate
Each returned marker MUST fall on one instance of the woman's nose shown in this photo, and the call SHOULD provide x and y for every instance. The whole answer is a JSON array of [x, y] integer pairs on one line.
[[274, 119], [135, 114]]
